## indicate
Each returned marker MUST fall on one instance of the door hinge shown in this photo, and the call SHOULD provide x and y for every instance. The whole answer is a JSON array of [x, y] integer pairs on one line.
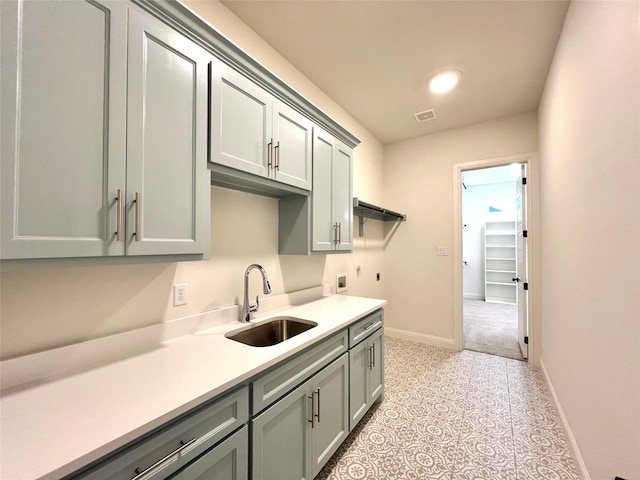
[[525, 285], [524, 180], [525, 233], [526, 340]]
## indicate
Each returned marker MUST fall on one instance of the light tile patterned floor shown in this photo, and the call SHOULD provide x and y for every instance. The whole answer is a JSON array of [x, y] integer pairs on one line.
[[454, 416]]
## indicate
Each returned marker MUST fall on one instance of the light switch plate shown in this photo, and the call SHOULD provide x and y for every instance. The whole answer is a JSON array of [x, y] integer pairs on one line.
[[442, 251]]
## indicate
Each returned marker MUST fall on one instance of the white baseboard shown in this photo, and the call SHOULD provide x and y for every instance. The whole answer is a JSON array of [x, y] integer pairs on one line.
[[421, 338], [473, 296], [565, 424]]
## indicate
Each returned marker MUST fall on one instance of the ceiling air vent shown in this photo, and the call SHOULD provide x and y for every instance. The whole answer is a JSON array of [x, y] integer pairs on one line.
[[425, 116]]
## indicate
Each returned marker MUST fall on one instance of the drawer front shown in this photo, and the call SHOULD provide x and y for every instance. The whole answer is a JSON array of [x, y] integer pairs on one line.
[[227, 461], [173, 447], [365, 327], [267, 388]]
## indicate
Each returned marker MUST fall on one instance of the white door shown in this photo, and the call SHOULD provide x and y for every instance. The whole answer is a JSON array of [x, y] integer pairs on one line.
[[521, 261]]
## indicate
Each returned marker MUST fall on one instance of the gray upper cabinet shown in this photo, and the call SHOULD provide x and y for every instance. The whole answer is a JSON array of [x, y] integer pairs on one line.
[[331, 200], [63, 128], [87, 125], [167, 178], [253, 132], [241, 122], [323, 222]]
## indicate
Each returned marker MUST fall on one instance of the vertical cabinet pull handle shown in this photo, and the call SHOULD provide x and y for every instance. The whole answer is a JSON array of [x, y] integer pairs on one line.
[[313, 408], [318, 415], [370, 358], [373, 355], [339, 233], [141, 473], [276, 149], [335, 233], [138, 202], [119, 215], [270, 153]]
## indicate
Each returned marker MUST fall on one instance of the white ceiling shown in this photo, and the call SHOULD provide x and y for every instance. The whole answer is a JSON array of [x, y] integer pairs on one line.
[[374, 58]]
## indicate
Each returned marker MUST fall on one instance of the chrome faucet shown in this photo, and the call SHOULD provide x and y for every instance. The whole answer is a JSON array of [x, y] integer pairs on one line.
[[247, 309]]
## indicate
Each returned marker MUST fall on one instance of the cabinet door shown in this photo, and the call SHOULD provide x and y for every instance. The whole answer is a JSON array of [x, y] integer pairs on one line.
[[323, 233], [281, 438], [241, 122], [376, 371], [331, 426], [342, 196], [63, 127], [292, 136], [167, 179], [227, 461], [359, 359]]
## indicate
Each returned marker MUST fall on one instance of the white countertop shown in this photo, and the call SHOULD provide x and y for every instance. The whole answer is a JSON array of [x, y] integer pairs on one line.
[[49, 429]]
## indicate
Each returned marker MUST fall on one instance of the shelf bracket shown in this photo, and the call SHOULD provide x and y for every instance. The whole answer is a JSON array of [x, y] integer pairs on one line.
[[361, 221]]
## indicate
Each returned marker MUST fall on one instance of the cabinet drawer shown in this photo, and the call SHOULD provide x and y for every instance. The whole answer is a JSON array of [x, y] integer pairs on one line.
[[173, 447], [227, 461], [274, 384], [365, 327]]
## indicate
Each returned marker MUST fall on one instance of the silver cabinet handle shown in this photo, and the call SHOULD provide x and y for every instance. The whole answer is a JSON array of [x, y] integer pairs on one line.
[[335, 233], [318, 414], [313, 408], [370, 358], [138, 202], [276, 150], [339, 233], [373, 355], [119, 215], [270, 153], [177, 451]]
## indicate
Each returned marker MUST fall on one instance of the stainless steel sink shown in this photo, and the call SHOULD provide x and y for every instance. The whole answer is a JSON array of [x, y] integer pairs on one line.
[[271, 332]]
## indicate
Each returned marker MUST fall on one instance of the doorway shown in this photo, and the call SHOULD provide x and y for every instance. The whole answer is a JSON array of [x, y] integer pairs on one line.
[[492, 281]]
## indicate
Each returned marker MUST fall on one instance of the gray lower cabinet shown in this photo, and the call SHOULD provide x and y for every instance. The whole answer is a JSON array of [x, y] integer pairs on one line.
[[294, 438], [366, 381], [255, 133], [175, 446], [366, 365], [302, 410], [323, 222], [227, 461], [104, 137]]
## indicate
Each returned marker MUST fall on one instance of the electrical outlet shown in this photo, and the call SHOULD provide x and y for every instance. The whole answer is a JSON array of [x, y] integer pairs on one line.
[[179, 294], [442, 251]]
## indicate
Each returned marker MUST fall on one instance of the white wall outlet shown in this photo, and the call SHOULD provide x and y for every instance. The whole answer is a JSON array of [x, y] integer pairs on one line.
[[179, 294], [341, 282], [442, 251]]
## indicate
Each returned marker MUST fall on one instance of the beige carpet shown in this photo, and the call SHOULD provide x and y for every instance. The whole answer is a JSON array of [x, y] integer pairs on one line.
[[491, 328]]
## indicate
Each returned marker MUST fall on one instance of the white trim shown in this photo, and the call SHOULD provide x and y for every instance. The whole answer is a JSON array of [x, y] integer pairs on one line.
[[473, 296], [531, 159], [432, 340], [577, 455]]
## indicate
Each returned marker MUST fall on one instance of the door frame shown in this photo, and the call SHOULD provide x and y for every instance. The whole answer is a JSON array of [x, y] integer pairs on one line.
[[533, 245]]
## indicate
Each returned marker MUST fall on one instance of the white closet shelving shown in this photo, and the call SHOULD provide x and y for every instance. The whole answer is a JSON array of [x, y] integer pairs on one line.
[[500, 261]]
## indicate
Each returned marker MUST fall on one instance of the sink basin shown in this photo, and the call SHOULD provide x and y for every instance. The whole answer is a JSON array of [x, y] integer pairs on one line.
[[271, 332]]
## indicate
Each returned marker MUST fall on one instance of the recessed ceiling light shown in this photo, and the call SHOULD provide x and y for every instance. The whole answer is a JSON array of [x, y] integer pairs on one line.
[[445, 81]]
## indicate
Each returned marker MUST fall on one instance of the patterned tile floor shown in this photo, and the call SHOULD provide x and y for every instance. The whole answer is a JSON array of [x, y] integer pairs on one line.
[[454, 416]]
